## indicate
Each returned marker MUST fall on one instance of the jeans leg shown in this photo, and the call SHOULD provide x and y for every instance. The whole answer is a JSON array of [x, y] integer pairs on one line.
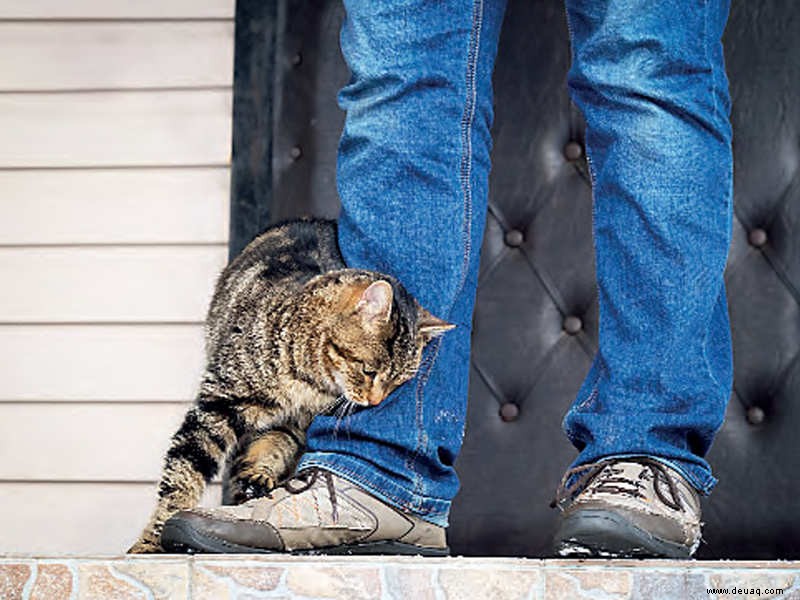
[[413, 170], [649, 77]]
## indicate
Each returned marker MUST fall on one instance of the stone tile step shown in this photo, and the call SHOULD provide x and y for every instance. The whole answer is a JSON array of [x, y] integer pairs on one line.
[[246, 577]]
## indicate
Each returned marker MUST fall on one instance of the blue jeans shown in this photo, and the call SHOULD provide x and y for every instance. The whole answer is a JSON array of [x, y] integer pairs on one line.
[[413, 172]]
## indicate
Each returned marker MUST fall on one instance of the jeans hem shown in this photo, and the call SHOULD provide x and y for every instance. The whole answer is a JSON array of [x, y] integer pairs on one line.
[[433, 510]]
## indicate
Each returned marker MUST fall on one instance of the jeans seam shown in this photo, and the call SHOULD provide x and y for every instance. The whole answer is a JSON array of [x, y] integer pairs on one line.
[[709, 62], [465, 179], [467, 121], [714, 75], [705, 346], [419, 418], [595, 388]]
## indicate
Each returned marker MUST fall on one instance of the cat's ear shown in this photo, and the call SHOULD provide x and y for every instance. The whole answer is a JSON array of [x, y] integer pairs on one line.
[[429, 326], [375, 303]]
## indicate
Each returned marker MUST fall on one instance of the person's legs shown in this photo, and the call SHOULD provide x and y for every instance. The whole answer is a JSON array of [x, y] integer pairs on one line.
[[413, 180], [649, 77], [413, 171]]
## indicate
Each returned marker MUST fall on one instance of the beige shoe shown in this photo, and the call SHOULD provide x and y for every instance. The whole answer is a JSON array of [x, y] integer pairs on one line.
[[316, 512], [630, 507]]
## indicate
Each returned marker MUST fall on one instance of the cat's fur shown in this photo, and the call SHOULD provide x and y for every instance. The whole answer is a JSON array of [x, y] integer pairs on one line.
[[290, 332]]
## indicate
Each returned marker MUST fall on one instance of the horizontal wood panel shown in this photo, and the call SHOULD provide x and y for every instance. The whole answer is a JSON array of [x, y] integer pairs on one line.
[[100, 362], [109, 284], [54, 56], [122, 206], [115, 9], [85, 442], [65, 518], [116, 129]]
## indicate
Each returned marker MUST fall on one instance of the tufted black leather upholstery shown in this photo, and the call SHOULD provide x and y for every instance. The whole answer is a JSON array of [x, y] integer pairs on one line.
[[536, 315]]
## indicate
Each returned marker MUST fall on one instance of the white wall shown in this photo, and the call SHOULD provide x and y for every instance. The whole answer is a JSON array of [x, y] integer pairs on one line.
[[115, 126]]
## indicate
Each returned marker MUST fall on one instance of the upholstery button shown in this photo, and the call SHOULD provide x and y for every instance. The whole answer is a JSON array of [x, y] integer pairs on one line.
[[514, 238], [297, 59], [509, 412], [757, 237], [572, 324], [296, 152], [573, 151], [755, 415]]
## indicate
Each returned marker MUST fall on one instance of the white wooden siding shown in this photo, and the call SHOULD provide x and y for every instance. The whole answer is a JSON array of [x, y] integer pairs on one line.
[[114, 206], [100, 363], [109, 283], [114, 183], [36, 433], [85, 518], [127, 128], [116, 9], [122, 55]]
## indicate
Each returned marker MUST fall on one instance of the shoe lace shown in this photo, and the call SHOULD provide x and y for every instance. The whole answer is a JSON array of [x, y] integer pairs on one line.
[[308, 478], [614, 483]]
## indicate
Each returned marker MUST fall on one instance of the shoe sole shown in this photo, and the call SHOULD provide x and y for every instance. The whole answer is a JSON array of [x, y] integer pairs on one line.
[[180, 538], [606, 534]]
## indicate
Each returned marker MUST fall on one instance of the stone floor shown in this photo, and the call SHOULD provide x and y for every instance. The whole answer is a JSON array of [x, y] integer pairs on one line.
[[389, 578]]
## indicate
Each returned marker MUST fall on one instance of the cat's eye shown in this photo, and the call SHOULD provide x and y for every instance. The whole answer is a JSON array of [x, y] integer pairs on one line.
[[368, 371]]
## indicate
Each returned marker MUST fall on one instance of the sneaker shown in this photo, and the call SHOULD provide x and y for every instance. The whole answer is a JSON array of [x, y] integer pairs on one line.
[[316, 512], [631, 507]]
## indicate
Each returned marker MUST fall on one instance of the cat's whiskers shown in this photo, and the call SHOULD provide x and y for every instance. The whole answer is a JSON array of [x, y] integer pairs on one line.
[[343, 411], [339, 412], [351, 408]]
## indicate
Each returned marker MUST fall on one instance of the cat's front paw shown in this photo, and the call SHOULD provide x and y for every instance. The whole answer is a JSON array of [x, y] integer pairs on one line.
[[252, 481]]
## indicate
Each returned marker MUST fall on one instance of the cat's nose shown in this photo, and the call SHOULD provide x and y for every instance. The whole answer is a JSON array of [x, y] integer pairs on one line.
[[375, 397]]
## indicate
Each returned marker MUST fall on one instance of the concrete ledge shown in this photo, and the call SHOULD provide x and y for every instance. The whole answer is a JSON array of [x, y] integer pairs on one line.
[[388, 578]]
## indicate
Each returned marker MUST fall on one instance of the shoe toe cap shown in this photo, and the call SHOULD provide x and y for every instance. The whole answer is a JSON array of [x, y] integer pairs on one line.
[[604, 520], [247, 533]]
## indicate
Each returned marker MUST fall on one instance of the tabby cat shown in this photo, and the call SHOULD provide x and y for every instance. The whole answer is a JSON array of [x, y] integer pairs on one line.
[[290, 333]]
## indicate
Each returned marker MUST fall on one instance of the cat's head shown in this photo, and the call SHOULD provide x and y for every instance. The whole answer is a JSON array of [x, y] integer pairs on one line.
[[375, 341]]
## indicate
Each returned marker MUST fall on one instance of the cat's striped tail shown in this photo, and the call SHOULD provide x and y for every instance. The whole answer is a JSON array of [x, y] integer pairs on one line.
[[194, 457]]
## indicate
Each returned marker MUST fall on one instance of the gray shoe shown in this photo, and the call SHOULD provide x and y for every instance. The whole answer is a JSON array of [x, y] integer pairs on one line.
[[316, 512], [632, 507]]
